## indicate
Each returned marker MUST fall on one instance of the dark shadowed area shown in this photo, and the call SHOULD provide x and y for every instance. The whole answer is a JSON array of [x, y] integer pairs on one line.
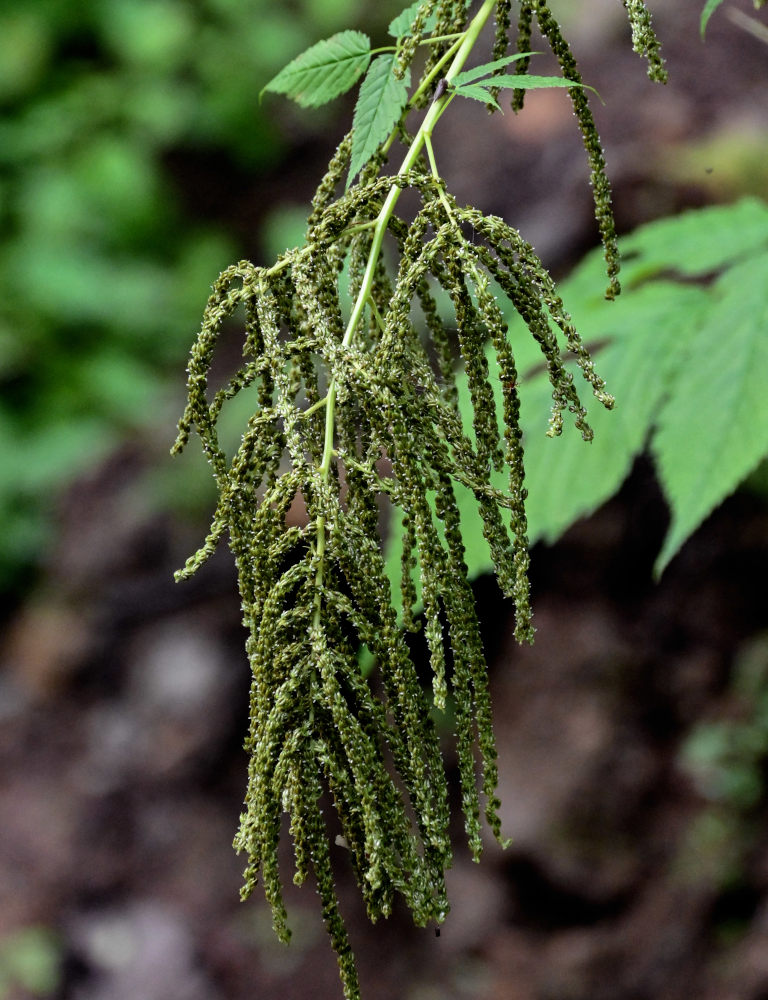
[[633, 735]]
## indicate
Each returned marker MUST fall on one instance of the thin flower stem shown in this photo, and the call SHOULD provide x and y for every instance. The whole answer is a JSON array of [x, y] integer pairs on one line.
[[425, 85], [441, 38], [376, 314], [436, 175], [473, 269], [358, 227], [463, 47], [436, 69], [315, 406]]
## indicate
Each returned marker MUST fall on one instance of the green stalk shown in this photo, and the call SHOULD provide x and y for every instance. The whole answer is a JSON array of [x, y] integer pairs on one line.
[[431, 118]]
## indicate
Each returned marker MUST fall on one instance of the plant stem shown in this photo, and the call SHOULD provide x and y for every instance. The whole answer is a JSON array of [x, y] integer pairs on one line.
[[358, 227], [441, 38], [315, 406], [465, 46]]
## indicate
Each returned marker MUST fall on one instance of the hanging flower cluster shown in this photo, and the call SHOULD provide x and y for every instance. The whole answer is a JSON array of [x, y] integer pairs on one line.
[[355, 412]]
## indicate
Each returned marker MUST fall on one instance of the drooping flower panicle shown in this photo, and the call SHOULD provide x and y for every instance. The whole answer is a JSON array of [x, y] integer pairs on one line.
[[358, 417]]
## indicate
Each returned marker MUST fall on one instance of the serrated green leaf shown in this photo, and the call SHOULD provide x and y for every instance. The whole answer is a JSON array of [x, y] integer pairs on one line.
[[696, 242], [477, 93], [400, 25], [474, 90], [379, 105], [709, 9], [488, 69], [526, 82], [713, 431], [326, 70]]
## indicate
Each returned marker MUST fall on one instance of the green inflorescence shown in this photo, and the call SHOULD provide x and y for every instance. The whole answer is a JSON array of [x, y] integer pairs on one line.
[[352, 416], [644, 40]]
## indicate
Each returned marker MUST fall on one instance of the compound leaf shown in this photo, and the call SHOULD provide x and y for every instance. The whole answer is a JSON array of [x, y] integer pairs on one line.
[[326, 70], [379, 105]]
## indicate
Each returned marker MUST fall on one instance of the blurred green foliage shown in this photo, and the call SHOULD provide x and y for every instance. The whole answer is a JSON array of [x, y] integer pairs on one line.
[[30, 960], [103, 268], [726, 759]]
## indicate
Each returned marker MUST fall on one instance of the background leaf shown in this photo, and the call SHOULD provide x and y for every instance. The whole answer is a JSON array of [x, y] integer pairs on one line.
[[568, 478], [686, 363], [714, 429], [696, 242], [325, 70], [398, 27], [379, 105], [709, 9]]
